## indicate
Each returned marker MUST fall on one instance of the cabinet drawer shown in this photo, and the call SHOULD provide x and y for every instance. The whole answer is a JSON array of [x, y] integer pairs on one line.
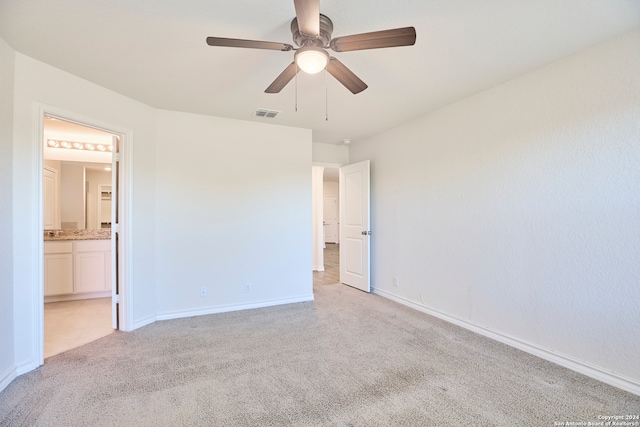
[[58, 247], [93, 245]]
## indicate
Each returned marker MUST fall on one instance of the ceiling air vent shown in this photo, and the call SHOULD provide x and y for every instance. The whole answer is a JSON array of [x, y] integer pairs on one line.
[[261, 112]]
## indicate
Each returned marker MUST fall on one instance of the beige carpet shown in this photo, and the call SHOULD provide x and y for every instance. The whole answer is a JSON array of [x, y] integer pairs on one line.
[[347, 359]]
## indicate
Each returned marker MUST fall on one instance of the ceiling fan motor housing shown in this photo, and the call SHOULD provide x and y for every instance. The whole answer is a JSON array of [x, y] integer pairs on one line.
[[321, 40]]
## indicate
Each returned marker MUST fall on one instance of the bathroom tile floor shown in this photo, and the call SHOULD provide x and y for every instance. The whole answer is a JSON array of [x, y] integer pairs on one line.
[[70, 324]]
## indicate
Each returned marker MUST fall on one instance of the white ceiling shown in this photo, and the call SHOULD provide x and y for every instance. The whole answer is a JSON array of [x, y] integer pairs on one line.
[[155, 51]]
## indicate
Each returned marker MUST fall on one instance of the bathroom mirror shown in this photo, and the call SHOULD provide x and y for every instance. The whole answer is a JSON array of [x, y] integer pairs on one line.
[[83, 197]]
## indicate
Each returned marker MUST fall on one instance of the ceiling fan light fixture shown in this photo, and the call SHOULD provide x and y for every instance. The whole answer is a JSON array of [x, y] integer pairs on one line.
[[312, 32], [311, 59]]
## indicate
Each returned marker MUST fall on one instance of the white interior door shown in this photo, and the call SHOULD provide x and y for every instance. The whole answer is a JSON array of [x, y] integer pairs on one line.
[[330, 219], [354, 225]]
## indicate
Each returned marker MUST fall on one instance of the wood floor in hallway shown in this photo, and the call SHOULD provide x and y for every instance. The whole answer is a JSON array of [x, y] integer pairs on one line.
[[331, 273]]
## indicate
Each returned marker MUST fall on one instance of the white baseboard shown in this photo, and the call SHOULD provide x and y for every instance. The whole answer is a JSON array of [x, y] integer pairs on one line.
[[17, 370], [27, 367], [74, 297], [218, 309], [232, 307], [142, 322], [7, 376], [628, 384]]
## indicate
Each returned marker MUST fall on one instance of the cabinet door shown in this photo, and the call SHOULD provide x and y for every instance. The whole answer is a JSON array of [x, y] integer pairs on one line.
[[51, 195], [58, 274], [90, 268]]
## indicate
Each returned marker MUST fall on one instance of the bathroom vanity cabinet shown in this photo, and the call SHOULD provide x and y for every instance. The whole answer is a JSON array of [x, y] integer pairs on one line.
[[77, 269]]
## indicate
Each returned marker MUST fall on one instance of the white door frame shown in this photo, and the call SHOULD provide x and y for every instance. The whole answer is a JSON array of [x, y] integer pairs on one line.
[[125, 187]]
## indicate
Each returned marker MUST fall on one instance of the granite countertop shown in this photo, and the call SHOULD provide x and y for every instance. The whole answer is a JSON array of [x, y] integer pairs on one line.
[[90, 234]]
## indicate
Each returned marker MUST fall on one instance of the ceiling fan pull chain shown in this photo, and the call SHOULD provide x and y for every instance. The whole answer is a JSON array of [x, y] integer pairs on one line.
[[297, 70]]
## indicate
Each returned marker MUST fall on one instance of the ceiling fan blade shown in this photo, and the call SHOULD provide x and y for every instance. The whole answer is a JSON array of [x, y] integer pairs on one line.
[[252, 44], [285, 77], [308, 15], [345, 76], [375, 40]]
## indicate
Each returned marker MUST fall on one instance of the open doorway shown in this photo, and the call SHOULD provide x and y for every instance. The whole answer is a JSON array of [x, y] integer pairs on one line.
[[330, 207], [327, 266], [78, 267], [353, 225], [352, 189], [331, 224]]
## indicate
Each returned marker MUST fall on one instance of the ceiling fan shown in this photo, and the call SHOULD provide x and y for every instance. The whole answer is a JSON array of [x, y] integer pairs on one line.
[[312, 35]]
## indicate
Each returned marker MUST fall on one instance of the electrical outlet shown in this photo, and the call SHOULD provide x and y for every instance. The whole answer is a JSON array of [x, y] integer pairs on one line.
[[203, 292], [396, 282], [247, 288]]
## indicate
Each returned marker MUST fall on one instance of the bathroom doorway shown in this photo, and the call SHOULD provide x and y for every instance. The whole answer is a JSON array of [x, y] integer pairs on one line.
[[79, 263]]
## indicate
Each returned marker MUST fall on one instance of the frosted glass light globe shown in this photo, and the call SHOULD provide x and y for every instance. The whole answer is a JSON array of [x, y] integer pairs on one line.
[[311, 59]]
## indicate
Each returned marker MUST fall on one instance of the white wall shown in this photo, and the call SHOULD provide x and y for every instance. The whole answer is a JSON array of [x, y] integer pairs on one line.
[[330, 154], [233, 203], [516, 211], [331, 189], [317, 227], [252, 184], [7, 361], [39, 84]]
